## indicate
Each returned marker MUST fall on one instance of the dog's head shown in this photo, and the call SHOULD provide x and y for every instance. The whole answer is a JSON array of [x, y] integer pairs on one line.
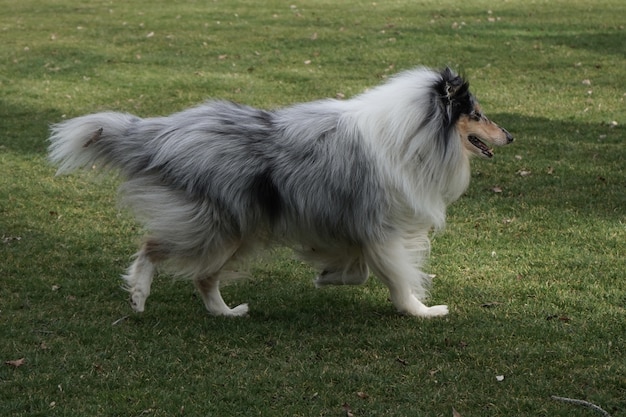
[[463, 114]]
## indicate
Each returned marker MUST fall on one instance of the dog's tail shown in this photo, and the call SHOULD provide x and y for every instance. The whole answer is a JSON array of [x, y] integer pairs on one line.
[[104, 140]]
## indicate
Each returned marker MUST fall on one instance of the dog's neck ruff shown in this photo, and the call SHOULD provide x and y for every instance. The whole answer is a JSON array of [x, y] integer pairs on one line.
[[402, 126]]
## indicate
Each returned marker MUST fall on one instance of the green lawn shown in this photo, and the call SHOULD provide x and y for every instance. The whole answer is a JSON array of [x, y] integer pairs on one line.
[[532, 262]]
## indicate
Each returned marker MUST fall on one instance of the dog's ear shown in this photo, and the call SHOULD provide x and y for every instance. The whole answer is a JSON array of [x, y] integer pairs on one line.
[[452, 85], [452, 92]]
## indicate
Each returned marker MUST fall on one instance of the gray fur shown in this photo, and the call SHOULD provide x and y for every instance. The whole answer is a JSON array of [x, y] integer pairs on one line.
[[256, 171]]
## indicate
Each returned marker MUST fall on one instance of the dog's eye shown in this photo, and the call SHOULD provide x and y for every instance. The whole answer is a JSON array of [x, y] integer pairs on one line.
[[476, 116]]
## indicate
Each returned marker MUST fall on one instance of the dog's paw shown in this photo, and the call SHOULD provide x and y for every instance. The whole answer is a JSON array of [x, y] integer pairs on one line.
[[435, 311], [239, 311], [320, 282], [413, 307], [328, 278], [138, 301]]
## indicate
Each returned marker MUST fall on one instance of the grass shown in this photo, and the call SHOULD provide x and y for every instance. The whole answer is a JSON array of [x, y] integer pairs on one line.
[[534, 274]]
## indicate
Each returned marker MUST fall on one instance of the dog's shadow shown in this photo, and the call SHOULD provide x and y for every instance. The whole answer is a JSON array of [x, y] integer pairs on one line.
[[302, 301]]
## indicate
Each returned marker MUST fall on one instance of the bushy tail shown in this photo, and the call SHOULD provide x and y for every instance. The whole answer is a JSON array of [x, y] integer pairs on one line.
[[110, 139]]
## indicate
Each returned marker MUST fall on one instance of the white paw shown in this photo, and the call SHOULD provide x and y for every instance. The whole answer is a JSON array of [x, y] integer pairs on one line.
[[138, 301], [435, 311], [239, 311], [413, 307]]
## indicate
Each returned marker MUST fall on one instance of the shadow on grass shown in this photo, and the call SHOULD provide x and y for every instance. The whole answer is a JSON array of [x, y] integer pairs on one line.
[[559, 165], [598, 43], [25, 130]]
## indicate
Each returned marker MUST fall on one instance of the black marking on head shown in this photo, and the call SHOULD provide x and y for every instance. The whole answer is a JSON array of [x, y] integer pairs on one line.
[[453, 100]]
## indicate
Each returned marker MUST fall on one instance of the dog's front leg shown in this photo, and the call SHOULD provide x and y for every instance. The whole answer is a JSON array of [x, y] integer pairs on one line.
[[209, 289], [392, 264]]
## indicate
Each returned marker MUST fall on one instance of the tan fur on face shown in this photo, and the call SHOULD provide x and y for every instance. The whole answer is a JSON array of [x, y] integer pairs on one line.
[[480, 126]]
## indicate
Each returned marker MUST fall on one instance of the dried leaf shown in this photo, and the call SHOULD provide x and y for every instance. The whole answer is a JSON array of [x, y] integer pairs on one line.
[[402, 361], [455, 413], [347, 409], [16, 363], [490, 304], [496, 189], [362, 395], [523, 173]]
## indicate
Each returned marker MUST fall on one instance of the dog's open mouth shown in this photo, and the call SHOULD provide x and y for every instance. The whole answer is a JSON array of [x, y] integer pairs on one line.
[[484, 149]]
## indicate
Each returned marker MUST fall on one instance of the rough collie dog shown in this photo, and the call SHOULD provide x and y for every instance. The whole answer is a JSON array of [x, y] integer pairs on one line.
[[350, 185]]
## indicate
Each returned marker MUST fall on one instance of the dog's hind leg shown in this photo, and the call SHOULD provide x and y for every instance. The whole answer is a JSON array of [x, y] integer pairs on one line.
[[339, 265], [139, 276], [392, 263], [209, 289], [354, 273], [207, 280]]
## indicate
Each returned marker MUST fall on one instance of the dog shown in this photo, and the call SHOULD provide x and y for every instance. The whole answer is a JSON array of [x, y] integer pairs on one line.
[[350, 185]]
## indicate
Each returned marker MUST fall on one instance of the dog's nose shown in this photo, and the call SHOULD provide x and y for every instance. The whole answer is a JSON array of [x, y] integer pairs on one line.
[[509, 137]]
